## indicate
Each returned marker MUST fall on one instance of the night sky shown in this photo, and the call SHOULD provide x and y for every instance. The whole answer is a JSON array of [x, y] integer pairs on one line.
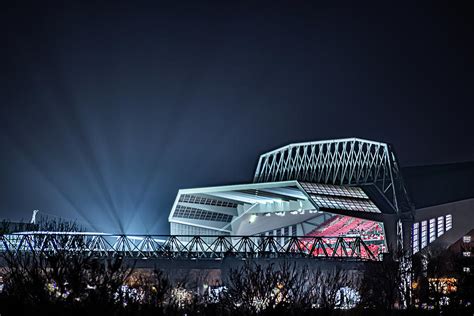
[[107, 110]]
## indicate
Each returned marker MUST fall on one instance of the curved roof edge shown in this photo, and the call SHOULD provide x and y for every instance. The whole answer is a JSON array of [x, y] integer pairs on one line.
[[336, 140]]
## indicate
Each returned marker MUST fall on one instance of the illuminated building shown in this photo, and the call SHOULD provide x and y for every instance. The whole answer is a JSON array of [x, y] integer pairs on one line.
[[342, 187]]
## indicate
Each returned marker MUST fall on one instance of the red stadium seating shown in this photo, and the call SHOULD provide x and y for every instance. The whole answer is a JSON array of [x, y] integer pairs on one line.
[[339, 225]]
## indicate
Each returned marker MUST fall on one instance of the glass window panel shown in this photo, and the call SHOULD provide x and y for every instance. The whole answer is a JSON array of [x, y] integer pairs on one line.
[[440, 226], [449, 222], [193, 213], [432, 230], [415, 237], [424, 234]]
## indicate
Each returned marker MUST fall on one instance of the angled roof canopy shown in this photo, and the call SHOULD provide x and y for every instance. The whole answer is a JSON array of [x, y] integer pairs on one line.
[[217, 208]]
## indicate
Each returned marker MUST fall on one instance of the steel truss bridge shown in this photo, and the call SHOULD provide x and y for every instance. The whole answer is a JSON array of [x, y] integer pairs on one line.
[[185, 247]]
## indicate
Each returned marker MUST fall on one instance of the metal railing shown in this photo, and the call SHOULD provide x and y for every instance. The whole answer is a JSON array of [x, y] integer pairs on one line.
[[194, 247]]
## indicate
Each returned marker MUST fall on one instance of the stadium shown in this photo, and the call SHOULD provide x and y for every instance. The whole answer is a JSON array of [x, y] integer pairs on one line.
[[343, 199], [325, 191]]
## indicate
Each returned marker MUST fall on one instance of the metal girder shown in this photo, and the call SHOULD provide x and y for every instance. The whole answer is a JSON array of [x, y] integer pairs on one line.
[[204, 247]]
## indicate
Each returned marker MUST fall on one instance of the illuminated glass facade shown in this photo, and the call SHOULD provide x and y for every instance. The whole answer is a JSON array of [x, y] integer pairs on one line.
[[431, 229], [424, 234], [416, 237], [340, 197], [334, 190], [440, 226], [449, 222], [194, 213]]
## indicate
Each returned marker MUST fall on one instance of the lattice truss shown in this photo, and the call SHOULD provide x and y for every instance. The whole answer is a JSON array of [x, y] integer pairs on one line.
[[166, 246], [340, 162]]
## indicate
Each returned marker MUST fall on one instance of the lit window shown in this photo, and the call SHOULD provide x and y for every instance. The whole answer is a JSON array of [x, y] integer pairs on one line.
[[432, 230], [449, 222], [440, 226], [466, 269], [466, 239], [416, 241], [424, 234], [466, 253]]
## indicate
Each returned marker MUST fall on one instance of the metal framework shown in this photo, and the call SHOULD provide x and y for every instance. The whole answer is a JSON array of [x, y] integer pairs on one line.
[[351, 162], [194, 247]]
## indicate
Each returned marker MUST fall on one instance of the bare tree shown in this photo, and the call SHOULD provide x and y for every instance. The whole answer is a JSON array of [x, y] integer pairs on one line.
[[255, 288], [331, 284], [387, 284], [252, 288], [55, 274]]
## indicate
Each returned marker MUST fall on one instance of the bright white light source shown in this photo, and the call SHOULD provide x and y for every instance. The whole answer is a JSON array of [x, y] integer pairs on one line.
[[252, 218]]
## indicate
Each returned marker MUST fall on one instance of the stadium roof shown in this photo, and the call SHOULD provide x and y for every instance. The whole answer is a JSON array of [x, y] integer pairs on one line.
[[339, 161], [348, 161], [218, 207]]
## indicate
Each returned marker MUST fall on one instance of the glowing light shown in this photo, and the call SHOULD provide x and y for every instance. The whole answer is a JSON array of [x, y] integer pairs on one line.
[[252, 218]]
